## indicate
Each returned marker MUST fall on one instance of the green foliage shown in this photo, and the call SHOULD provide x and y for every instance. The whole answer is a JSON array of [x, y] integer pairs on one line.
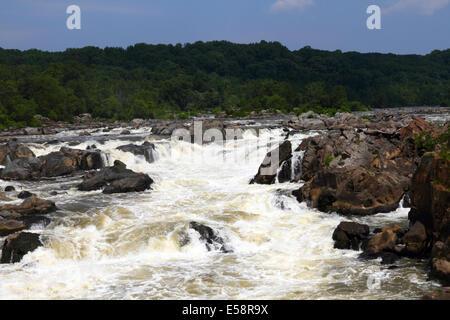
[[328, 160], [425, 141], [166, 81]]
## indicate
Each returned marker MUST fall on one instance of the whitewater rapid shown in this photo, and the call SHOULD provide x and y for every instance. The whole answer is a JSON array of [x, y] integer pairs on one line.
[[127, 246]]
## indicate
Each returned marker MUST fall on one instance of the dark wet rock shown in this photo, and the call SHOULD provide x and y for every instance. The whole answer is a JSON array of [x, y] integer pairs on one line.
[[440, 270], [31, 205], [384, 244], [125, 131], [267, 172], [211, 237], [407, 200], [12, 151], [350, 235], [416, 240], [22, 169], [24, 194], [8, 227], [59, 163], [18, 245], [438, 294], [31, 220], [84, 133], [116, 179], [146, 149], [66, 161], [166, 128], [73, 143], [91, 147], [52, 142], [9, 188], [351, 172], [389, 257]]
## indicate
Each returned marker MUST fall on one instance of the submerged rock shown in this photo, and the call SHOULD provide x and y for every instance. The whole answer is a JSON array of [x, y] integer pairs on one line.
[[350, 235], [24, 194], [18, 245], [116, 179], [211, 237]]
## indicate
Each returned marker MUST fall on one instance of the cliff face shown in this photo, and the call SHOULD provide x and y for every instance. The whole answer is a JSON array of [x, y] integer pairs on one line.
[[430, 206]]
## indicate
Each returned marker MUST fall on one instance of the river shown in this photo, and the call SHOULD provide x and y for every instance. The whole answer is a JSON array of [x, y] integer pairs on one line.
[[130, 246]]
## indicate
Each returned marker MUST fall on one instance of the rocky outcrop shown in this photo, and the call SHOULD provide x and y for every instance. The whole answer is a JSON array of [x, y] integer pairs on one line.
[[430, 209], [30, 206], [63, 162], [210, 237], [66, 161], [146, 150], [356, 172], [8, 227], [116, 179], [350, 235], [22, 169], [268, 170], [12, 151], [18, 245], [386, 243]]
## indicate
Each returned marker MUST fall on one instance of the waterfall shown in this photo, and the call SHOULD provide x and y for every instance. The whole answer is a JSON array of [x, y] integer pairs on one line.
[[296, 165]]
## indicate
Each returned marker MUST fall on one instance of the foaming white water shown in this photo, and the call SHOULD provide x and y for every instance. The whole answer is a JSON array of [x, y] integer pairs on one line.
[[131, 246]]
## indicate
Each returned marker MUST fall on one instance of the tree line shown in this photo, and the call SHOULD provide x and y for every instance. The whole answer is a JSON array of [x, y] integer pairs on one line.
[[167, 81]]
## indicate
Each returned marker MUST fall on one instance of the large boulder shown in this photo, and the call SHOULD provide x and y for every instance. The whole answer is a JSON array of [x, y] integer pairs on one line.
[[12, 151], [146, 149], [356, 172], [66, 161], [116, 179], [63, 162], [18, 245], [268, 170], [22, 169], [416, 240], [30, 206], [383, 241], [350, 235]]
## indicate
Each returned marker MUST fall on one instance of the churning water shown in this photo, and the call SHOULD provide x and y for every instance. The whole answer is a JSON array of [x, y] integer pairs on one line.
[[129, 246]]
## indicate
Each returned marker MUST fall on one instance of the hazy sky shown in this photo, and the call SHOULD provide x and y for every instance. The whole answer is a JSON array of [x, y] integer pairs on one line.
[[408, 26]]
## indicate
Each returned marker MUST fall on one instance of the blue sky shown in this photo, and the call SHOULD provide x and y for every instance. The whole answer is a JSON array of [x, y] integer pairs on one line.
[[408, 26]]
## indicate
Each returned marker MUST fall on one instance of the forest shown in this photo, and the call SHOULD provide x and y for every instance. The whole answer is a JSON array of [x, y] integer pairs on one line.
[[182, 80]]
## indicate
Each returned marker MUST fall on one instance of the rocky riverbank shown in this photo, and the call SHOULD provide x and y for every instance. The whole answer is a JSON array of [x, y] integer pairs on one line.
[[364, 166]]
